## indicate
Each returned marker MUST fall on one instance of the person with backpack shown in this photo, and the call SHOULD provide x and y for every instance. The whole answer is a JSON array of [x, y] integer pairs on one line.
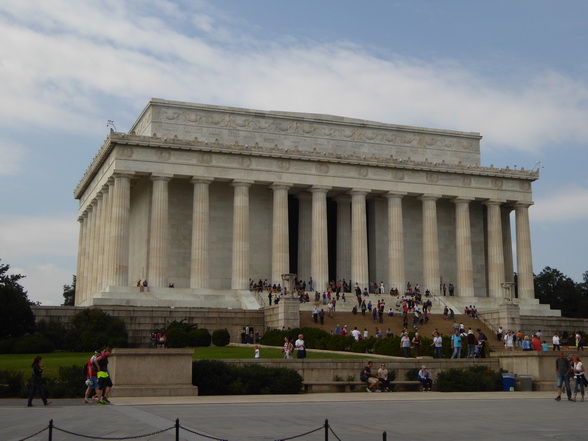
[[91, 378], [104, 380]]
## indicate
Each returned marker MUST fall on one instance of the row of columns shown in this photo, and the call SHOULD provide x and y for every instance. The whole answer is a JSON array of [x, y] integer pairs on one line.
[[104, 237]]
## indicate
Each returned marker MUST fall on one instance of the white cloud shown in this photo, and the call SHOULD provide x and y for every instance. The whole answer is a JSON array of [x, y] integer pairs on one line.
[[23, 236], [58, 63], [44, 282], [563, 204], [12, 157]]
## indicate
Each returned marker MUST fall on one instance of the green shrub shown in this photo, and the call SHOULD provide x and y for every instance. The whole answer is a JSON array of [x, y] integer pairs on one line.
[[313, 337], [177, 338], [412, 374], [92, 328], [69, 384], [11, 384], [32, 344], [7, 345], [215, 377], [221, 337], [56, 332], [472, 379], [199, 337]]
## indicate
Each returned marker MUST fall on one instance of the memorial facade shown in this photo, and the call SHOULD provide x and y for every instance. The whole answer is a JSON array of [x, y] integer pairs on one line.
[[207, 198]]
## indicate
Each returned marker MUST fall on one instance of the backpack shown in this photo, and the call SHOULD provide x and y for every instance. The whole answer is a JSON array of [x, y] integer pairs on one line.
[[363, 376]]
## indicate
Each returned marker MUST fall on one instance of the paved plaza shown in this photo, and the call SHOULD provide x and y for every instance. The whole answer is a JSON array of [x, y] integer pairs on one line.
[[404, 416]]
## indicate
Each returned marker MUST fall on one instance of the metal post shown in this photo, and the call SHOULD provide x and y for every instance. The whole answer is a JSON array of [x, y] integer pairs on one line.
[[326, 430], [177, 429], [50, 430], [384, 436]]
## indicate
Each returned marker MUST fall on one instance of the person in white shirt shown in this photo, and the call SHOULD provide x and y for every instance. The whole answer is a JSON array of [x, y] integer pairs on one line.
[[356, 334], [579, 377], [300, 347]]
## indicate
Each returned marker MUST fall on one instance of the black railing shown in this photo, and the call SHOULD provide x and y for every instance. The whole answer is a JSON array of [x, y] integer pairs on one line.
[[177, 426]]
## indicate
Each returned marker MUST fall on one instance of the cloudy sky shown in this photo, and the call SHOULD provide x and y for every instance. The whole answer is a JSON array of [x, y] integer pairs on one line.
[[517, 72]]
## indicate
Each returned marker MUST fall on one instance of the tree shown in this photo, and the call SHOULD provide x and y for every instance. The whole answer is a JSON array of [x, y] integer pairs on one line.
[[16, 316], [92, 329], [561, 292], [69, 293]]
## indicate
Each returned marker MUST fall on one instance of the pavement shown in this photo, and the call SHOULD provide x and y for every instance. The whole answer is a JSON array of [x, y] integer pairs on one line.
[[523, 416]]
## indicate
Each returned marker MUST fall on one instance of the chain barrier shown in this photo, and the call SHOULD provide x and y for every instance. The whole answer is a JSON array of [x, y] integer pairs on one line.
[[202, 434], [326, 427], [34, 434], [302, 434], [157, 432], [334, 434]]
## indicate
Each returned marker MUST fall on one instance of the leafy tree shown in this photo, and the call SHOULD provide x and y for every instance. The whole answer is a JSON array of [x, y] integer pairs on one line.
[[69, 293], [16, 316], [561, 292], [93, 329]]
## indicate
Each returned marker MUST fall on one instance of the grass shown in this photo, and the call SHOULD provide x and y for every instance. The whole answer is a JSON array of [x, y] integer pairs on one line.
[[54, 360]]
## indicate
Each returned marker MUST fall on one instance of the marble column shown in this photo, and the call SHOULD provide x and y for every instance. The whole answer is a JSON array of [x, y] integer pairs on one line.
[[304, 235], [431, 273], [396, 271], [121, 203], [343, 237], [507, 245], [359, 242], [99, 247], [319, 262], [86, 265], [106, 230], [240, 259], [92, 250], [495, 249], [199, 270], [526, 288], [159, 234], [463, 248], [80, 276], [280, 233]]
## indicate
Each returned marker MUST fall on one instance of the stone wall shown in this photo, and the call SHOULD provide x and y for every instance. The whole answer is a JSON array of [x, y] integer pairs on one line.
[[531, 324], [142, 321]]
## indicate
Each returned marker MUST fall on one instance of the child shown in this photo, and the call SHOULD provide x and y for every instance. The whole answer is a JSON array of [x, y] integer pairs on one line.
[[256, 352]]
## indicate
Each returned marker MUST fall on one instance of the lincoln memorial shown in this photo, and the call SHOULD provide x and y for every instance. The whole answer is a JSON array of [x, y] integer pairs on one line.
[[208, 198]]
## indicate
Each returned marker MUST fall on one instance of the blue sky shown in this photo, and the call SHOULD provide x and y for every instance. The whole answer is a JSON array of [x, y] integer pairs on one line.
[[517, 72]]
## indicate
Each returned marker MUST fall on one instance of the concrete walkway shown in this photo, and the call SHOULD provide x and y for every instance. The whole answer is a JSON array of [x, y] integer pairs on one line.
[[404, 416]]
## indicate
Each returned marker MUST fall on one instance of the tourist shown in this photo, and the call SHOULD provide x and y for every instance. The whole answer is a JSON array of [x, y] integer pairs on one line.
[[300, 347], [104, 380], [91, 379], [322, 314], [579, 378], [383, 378], [416, 344], [356, 334], [256, 353], [509, 341], [556, 342], [499, 333], [471, 342], [287, 349], [562, 370], [424, 377], [369, 378], [437, 345], [37, 382], [536, 343], [405, 345], [481, 343], [456, 344], [365, 333], [527, 344]]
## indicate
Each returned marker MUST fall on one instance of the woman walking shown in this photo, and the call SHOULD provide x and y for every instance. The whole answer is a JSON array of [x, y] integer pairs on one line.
[[578, 377], [37, 382]]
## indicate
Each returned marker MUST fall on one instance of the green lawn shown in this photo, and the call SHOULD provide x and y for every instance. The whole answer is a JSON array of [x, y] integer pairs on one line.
[[52, 361]]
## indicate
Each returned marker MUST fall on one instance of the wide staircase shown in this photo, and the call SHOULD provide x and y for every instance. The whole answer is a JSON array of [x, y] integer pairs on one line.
[[436, 322]]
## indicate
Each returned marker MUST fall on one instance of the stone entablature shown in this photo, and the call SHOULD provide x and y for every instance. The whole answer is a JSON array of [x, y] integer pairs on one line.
[[379, 170], [307, 132]]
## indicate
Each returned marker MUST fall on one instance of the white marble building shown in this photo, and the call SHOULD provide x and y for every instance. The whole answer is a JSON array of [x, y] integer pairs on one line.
[[207, 197]]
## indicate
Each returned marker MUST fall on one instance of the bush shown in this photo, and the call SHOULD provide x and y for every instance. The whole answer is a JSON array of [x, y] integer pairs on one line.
[[56, 332], [199, 337], [69, 384], [11, 384], [177, 338], [7, 345], [92, 328], [221, 337], [215, 377], [32, 344], [312, 337], [472, 379]]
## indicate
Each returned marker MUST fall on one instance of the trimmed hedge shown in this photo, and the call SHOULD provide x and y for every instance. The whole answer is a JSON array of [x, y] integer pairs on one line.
[[221, 337], [472, 379], [215, 377]]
